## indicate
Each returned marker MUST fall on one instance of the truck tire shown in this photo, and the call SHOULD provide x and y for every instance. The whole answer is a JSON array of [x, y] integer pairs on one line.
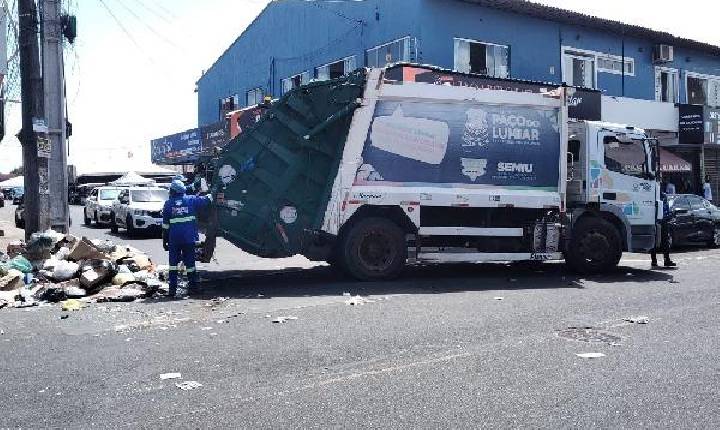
[[373, 249], [113, 223], [595, 247], [86, 219]]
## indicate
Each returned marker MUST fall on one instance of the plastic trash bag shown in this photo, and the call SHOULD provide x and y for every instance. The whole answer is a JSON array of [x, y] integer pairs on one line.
[[21, 264], [65, 270]]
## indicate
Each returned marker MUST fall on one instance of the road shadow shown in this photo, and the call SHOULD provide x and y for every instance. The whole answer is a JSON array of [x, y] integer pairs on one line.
[[422, 279]]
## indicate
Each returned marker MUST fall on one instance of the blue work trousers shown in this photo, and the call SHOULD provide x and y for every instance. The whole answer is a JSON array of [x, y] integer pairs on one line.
[[186, 254]]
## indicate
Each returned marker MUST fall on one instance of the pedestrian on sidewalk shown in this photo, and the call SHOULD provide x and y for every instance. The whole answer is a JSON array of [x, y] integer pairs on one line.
[[707, 189], [180, 233], [665, 232]]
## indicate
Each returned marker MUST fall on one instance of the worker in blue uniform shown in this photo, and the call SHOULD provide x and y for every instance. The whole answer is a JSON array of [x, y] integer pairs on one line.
[[180, 233]]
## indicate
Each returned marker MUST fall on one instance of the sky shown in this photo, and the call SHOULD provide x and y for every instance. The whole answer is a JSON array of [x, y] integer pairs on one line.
[[132, 71]]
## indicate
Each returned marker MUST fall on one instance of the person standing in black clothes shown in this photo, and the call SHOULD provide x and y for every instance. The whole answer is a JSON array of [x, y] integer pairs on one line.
[[664, 245]]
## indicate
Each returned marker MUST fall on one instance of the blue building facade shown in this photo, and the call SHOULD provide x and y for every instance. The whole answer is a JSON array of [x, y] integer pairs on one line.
[[643, 74]]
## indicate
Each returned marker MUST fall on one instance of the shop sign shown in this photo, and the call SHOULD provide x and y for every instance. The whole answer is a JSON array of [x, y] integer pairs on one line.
[[691, 128], [179, 148]]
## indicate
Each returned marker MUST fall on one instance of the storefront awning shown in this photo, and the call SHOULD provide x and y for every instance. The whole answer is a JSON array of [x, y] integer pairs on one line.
[[671, 163]]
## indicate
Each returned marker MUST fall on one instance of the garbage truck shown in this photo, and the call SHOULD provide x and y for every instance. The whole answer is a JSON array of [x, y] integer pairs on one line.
[[385, 168]]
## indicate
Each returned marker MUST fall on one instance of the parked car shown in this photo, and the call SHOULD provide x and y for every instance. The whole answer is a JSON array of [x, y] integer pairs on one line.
[[18, 194], [20, 214], [138, 208], [2, 200], [694, 220], [98, 205]]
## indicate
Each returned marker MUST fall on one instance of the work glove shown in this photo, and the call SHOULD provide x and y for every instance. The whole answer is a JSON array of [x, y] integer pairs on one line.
[[166, 244]]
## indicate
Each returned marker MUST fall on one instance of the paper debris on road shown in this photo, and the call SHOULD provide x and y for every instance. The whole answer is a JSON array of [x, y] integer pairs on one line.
[[188, 385], [283, 320], [71, 305], [498, 298], [172, 375], [206, 328], [357, 301], [591, 355], [638, 320]]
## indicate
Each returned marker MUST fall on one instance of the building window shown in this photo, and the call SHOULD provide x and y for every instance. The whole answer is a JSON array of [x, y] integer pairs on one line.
[[666, 85], [254, 97], [483, 58], [392, 52], [228, 104], [579, 69], [295, 81], [335, 70], [613, 64], [703, 89]]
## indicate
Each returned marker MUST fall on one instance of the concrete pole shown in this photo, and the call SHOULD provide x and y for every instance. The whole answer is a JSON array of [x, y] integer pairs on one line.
[[54, 85], [35, 168]]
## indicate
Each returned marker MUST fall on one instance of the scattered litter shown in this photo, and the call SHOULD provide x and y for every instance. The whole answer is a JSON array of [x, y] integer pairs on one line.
[[223, 322], [172, 375], [591, 355], [213, 334], [71, 305], [268, 316], [283, 320], [498, 298], [206, 328], [64, 316], [346, 294], [638, 320], [357, 301], [188, 385]]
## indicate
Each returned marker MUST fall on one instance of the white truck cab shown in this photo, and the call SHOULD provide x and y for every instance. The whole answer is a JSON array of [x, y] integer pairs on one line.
[[612, 185], [138, 209]]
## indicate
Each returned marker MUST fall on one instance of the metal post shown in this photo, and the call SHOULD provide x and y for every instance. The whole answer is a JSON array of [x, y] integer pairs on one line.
[[53, 82], [35, 169]]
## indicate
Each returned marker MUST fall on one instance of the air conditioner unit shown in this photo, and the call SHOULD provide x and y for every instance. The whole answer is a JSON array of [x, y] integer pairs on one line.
[[663, 54]]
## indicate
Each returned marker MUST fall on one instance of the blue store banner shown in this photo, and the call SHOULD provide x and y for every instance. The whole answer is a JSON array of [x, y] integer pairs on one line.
[[180, 148], [415, 143]]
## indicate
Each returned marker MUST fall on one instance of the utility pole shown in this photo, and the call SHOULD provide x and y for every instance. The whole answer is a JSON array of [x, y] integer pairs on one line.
[[54, 88], [35, 168]]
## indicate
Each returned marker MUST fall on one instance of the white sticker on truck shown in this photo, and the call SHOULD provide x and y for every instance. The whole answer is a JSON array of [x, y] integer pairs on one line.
[[419, 139]]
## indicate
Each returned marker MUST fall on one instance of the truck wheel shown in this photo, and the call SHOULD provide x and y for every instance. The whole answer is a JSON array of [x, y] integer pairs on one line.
[[86, 219], [374, 249], [113, 223], [595, 247]]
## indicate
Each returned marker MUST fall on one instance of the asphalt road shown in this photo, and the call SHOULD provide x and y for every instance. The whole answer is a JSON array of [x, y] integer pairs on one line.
[[434, 349]]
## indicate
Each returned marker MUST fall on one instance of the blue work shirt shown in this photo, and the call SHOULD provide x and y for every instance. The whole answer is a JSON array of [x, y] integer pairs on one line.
[[180, 218]]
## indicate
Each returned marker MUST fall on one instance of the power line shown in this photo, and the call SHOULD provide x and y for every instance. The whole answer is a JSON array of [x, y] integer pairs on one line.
[[153, 11], [124, 30], [146, 25]]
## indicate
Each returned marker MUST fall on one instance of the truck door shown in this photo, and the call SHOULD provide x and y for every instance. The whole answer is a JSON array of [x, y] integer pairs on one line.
[[625, 181]]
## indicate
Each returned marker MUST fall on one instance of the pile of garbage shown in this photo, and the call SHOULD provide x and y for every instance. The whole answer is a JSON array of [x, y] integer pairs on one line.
[[54, 267]]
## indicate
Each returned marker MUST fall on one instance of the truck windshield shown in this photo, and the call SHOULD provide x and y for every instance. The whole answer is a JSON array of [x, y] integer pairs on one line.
[[109, 194], [145, 196], [626, 158]]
